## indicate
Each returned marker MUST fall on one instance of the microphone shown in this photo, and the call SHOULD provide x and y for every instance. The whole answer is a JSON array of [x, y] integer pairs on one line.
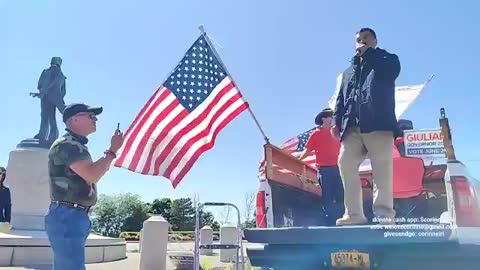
[[358, 52]]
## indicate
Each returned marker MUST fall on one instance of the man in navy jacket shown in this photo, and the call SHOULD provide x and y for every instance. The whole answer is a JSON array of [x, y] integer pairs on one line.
[[365, 122]]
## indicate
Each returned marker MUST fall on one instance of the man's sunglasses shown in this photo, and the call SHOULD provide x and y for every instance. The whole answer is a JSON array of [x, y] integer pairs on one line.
[[90, 115]]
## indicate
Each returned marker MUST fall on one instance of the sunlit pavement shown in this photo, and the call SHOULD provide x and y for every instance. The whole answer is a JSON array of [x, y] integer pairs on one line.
[[132, 261]]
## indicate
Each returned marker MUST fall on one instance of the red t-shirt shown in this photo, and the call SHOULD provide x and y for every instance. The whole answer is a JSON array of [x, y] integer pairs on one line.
[[325, 146]]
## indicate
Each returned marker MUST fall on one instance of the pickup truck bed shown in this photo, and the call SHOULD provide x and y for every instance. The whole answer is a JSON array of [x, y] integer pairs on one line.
[[315, 247]]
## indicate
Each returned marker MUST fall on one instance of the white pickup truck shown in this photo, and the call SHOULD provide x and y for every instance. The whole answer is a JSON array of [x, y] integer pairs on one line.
[[438, 211]]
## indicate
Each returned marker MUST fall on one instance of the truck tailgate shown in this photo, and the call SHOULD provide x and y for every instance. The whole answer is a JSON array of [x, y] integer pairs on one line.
[[425, 246], [438, 256], [351, 235]]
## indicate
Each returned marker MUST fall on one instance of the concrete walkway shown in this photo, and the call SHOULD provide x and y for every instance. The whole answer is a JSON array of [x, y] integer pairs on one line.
[[132, 262]]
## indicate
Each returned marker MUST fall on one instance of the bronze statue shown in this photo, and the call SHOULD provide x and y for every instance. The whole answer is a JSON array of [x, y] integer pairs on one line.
[[52, 90]]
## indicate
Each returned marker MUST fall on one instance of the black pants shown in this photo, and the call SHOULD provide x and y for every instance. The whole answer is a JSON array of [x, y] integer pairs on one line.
[[332, 193]]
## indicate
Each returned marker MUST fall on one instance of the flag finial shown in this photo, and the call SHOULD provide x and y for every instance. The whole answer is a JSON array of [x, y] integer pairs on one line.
[[201, 28]]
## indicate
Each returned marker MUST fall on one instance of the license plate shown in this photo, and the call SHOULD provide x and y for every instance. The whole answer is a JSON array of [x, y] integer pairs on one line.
[[350, 259]]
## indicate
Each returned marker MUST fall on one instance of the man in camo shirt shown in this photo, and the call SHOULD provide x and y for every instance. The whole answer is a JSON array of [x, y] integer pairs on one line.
[[73, 179]]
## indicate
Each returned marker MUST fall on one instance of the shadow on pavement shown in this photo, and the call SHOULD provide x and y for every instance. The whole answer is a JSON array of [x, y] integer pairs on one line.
[[38, 267]]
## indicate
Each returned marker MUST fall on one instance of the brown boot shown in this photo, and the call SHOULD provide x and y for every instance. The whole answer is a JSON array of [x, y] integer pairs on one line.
[[352, 220]]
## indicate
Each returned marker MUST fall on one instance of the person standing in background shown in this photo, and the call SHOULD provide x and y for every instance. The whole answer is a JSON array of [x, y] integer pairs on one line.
[[326, 150], [5, 198]]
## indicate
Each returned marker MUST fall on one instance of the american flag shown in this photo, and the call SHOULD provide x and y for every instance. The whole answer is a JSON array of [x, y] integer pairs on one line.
[[295, 146], [183, 117]]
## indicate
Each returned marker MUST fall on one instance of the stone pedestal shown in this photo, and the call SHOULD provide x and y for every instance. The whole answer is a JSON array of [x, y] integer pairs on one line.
[[228, 236], [29, 247], [140, 241], [206, 238], [27, 243], [27, 177], [154, 244]]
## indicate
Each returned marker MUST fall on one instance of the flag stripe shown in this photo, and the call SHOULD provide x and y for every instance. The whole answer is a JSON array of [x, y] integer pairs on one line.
[[164, 131], [160, 142], [172, 106], [189, 141], [207, 146], [131, 138], [192, 128], [142, 112], [160, 104], [163, 145]]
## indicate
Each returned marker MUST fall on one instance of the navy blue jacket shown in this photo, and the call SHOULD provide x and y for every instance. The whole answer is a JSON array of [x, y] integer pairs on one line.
[[5, 204], [374, 76]]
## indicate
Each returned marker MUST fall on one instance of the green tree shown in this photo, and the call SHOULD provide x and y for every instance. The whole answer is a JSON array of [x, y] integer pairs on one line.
[[162, 207], [251, 223], [137, 213], [105, 219], [182, 214], [120, 212], [209, 219]]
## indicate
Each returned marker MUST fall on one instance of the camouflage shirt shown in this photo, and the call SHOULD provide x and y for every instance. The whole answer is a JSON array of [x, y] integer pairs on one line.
[[65, 184]]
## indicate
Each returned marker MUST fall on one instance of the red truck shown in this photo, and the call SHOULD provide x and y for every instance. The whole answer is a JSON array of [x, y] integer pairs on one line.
[[437, 205]]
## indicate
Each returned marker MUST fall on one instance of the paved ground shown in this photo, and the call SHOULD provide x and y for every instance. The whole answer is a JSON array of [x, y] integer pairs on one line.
[[132, 262]]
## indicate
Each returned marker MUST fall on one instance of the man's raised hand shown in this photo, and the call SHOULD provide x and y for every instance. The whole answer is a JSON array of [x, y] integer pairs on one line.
[[117, 141]]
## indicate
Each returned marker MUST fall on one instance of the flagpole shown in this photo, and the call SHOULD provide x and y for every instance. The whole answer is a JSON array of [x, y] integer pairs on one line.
[[428, 81], [202, 31]]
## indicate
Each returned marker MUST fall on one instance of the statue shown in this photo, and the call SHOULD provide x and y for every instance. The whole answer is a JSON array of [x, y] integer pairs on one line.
[[52, 90]]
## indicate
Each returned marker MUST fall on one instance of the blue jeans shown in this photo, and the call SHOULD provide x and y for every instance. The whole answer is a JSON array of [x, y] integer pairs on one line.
[[67, 229], [332, 193]]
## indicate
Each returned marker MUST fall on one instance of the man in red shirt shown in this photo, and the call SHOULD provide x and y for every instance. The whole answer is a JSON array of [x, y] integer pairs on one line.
[[326, 150]]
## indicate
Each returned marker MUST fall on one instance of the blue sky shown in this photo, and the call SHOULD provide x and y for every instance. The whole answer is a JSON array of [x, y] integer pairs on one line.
[[284, 55]]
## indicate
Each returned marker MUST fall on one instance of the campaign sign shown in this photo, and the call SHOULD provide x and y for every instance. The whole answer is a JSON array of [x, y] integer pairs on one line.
[[425, 144]]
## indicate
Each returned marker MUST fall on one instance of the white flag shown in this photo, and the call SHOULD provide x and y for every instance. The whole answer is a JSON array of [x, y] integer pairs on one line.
[[333, 99], [404, 96]]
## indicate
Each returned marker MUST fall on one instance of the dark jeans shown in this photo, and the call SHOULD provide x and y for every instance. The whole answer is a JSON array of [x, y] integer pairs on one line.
[[332, 193], [67, 229]]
